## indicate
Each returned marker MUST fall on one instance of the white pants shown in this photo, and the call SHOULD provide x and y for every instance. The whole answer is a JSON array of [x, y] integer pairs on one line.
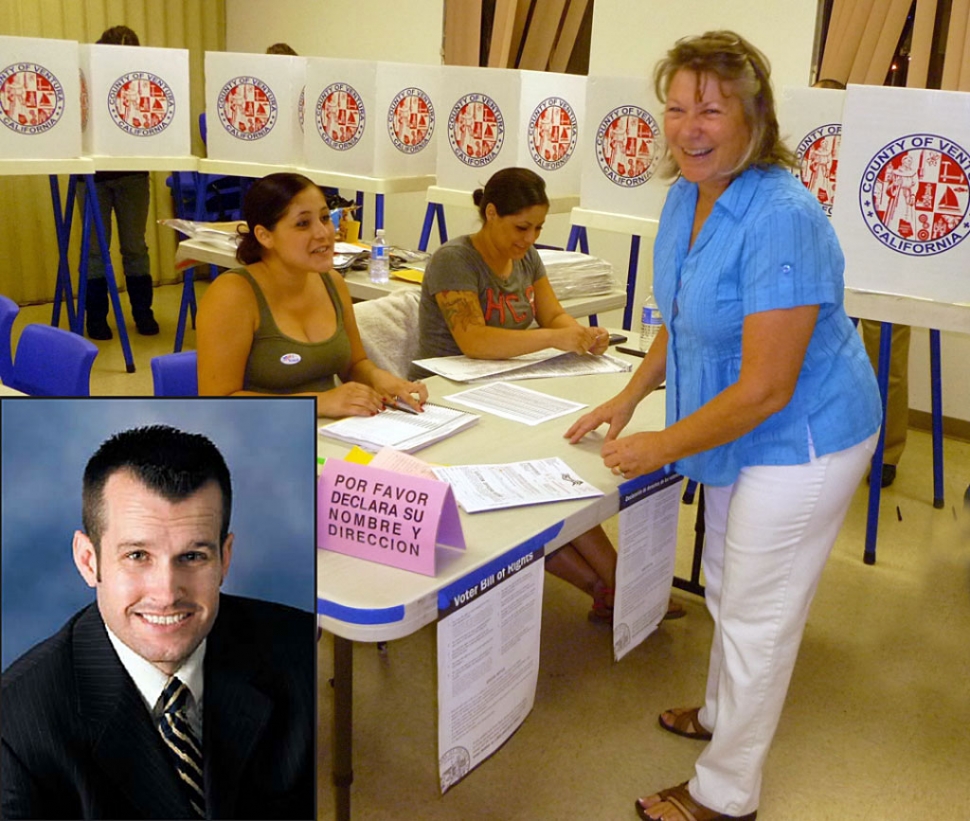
[[768, 536]]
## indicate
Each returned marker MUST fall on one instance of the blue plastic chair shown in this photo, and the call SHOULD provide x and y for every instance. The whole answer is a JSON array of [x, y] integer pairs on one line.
[[175, 374], [8, 313], [50, 361]]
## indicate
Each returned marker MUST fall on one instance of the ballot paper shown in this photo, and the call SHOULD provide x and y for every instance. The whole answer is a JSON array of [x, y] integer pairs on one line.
[[400, 430], [515, 402], [547, 362], [515, 484]]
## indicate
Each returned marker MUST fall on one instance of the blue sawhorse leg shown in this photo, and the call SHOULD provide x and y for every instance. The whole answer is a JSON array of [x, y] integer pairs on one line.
[[578, 237], [92, 213], [434, 209], [186, 306], [359, 215], [875, 469], [62, 224], [378, 211], [936, 392]]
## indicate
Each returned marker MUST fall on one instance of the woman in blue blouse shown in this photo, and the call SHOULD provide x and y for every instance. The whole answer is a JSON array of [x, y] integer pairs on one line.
[[771, 402]]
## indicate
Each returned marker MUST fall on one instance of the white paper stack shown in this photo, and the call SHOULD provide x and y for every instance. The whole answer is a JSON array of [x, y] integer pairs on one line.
[[572, 274]]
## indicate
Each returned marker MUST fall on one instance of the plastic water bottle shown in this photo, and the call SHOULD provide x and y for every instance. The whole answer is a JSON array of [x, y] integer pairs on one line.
[[650, 322], [379, 267]]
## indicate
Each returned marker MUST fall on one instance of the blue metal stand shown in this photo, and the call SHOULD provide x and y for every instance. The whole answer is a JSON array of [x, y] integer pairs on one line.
[[62, 224], [936, 392], [875, 470], [434, 209]]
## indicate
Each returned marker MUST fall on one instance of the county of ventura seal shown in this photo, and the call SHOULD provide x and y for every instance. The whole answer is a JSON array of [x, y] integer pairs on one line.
[[552, 131], [628, 146], [141, 104], [454, 766], [818, 157], [340, 116], [247, 108], [914, 194], [476, 129], [31, 98], [410, 120]]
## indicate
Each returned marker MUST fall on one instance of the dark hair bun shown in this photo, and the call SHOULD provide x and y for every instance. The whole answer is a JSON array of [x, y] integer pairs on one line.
[[477, 195]]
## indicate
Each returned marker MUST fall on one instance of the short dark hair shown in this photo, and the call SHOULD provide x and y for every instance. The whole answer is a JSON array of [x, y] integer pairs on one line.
[[265, 204], [511, 190], [172, 463], [282, 48], [119, 36], [730, 58]]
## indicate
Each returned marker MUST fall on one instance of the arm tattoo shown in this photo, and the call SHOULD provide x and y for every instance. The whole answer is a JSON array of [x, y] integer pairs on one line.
[[459, 312]]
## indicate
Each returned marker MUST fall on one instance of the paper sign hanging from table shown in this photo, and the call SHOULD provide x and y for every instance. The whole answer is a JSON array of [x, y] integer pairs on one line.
[[488, 659], [904, 191], [390, 518], [649, 506]]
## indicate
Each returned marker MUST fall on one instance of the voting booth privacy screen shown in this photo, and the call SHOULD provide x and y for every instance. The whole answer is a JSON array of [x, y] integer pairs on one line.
[[40, 99]]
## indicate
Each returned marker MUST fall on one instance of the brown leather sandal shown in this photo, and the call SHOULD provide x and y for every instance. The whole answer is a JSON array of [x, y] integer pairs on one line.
[[680, 799], [686, 724]]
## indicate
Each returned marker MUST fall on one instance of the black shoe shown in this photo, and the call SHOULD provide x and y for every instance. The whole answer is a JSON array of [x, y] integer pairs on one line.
[[96, 308], [146, 324], [888, 475]]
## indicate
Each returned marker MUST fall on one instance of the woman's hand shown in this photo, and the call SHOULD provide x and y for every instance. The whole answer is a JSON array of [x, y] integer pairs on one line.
[[391, 388], [574, 338], [349, 399], [634, 455], [616, 411], [601, 341]]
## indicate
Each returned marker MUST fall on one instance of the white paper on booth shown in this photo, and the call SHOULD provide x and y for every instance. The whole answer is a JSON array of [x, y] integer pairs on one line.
[[488, 664], [645, 558], [515, 402]]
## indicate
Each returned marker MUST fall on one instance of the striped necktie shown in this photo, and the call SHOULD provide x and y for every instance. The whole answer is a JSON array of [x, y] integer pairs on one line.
[[181, 741]]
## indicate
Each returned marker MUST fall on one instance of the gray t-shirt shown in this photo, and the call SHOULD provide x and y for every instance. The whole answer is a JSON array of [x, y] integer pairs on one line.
[[457, 266]]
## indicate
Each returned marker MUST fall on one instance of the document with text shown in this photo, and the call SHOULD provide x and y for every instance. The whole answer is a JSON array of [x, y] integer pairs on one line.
[[515, 402], [400, 430]]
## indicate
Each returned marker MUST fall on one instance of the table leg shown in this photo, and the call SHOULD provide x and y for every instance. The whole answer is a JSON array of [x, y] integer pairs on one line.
[[91, 205], [936, 392], [62, 225], [875, 469], [693, 584], [343, 703]]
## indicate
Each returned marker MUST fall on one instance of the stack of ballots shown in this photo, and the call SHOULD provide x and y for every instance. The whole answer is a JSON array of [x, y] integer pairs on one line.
[[572, 274]]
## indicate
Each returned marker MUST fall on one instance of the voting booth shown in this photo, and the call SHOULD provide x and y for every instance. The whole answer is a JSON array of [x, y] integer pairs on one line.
[[371, 119], [622, 148], [135, 101], [40, 99], [810, 120], [498, 118], [252, 104]]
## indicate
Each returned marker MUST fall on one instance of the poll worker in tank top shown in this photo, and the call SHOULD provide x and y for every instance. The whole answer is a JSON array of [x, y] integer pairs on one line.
[[284, 323]]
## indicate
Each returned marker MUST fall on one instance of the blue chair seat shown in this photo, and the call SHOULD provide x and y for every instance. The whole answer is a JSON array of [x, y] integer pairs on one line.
[[50, 361], [174, 374]]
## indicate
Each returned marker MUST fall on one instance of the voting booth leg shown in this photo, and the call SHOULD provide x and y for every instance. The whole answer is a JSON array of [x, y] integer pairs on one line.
[[875, 469], [578, 238], [187, 304], [936, 392], [343, 705], [378, 211], [91, 205], [693, 584], [434, 209], [62, 224], [360, 211], [631, 282]]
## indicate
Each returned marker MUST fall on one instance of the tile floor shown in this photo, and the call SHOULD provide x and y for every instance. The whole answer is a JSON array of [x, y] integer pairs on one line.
[[876, 726]]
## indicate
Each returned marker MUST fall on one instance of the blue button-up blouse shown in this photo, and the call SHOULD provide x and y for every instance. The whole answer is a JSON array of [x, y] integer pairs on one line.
[[766, 245]]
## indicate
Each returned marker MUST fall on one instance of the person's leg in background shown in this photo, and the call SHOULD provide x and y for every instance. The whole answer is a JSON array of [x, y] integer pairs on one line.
[[96, 299], [131, 199], [897, 401]]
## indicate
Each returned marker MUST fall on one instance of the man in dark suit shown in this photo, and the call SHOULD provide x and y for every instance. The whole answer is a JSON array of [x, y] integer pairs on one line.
[[165, 698]]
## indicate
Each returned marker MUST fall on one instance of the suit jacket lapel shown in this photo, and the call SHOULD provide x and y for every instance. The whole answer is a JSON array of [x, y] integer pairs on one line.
[[235, 715], [127, 747]]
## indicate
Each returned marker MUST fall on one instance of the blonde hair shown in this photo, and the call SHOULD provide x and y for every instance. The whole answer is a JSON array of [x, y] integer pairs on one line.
[[730, 58]]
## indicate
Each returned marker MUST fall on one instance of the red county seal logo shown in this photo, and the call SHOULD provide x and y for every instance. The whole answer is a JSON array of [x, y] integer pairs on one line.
[[476, 129], [553, 131], [340, 116], [818, 155], [141, 104], [247, 108], [31, 98], [410, 120], [914, 194], [628, 146]]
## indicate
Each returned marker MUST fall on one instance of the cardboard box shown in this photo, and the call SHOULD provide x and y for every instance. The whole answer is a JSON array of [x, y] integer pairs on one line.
[[371, 119], [622, 148], [137, 101], [253, 107], [40, 99]]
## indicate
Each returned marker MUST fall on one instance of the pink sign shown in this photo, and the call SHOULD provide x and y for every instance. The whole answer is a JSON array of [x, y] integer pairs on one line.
[[386, 517]]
